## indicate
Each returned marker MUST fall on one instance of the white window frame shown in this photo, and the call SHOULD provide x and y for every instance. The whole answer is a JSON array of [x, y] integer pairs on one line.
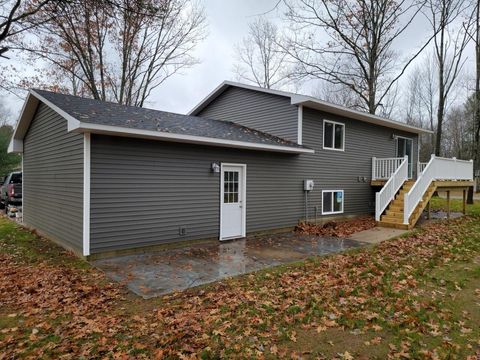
[[333, 140], [343, 202]]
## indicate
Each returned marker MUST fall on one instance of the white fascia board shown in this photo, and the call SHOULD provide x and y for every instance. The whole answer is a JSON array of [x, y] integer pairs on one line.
[[191, 139], [72, 122], [354, 114], [26, 116], [15, 146]]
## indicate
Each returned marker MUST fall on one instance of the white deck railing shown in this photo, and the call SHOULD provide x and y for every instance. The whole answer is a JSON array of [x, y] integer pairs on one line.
[[386, 195], [436, 169], [420, 167], [383, 168]]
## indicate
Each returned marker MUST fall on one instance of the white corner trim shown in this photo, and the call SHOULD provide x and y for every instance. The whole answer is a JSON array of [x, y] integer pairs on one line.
[[86, 193], [300, 125], [191, 139]]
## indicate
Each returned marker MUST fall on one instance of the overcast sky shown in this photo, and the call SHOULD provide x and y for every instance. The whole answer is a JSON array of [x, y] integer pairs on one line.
[[227, 25]]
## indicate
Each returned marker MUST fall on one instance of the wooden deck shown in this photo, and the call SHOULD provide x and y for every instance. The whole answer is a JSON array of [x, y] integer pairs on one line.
[[393, 217]]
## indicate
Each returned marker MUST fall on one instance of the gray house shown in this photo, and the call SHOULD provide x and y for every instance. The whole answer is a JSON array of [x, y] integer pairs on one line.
[[101, 177]]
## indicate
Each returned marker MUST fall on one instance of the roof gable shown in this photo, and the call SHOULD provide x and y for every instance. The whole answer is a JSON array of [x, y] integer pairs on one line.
[[314, 103]]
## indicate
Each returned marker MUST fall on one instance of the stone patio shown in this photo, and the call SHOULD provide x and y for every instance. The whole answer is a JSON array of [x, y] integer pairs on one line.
[[166, 271]]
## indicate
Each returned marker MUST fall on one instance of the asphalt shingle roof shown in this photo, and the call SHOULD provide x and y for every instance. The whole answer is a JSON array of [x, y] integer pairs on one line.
[[113, 114]]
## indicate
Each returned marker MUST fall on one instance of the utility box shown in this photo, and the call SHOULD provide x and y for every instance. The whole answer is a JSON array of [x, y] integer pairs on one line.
[[308, 185]]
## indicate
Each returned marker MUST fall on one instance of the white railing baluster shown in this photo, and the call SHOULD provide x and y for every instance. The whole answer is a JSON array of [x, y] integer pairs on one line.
[[383, 168]]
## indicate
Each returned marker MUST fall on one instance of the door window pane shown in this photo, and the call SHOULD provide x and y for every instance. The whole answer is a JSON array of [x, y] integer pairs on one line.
[[230, 187]]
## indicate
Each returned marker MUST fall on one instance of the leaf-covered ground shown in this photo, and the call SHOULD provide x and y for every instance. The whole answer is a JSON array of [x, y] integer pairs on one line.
[[413, 297], [337, 229]]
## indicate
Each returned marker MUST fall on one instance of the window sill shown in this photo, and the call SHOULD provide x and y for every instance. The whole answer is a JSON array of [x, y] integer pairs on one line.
[[332, 213], [333, 149]]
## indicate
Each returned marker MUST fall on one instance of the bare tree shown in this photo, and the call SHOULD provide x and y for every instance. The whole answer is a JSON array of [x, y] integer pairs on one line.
[[449, 46], [16, 18], [358, 48], [419, 101], [259, 57], [459, 133], [336, 94], [118, 50]]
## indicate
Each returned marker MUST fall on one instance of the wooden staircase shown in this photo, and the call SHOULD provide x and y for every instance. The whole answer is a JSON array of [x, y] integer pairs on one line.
[[393, 215]]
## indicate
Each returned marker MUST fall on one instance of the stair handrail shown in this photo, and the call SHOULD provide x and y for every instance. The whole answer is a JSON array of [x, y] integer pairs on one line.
[[391, 187], [452, 169]]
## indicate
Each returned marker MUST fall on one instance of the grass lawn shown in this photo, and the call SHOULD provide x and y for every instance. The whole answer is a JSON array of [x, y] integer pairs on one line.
[[417, 296]]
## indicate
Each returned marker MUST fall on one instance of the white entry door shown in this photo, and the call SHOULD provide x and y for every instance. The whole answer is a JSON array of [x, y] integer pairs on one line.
[[405, 148], [232, 201]]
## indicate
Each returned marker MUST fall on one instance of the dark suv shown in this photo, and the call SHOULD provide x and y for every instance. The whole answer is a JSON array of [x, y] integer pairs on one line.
[[11, 190]]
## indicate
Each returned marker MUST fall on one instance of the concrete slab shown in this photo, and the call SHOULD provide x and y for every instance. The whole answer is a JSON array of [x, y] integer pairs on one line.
[[169, 270], [377, 234]]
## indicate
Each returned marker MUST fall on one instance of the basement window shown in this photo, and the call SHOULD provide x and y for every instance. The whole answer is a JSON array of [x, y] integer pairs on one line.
[[333, 135], [332, 202]]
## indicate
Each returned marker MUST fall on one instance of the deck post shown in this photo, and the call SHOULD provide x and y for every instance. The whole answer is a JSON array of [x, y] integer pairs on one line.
[[448, 204], [428, 210], [464, 202], [374, 160]]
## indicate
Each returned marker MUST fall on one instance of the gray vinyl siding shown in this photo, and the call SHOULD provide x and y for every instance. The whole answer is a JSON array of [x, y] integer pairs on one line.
[[53, 179], [142, 191], [339, 170], [269, 113]]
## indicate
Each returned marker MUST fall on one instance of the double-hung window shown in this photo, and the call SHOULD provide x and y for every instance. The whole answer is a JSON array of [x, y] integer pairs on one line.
[[333, 135], [332, 202]]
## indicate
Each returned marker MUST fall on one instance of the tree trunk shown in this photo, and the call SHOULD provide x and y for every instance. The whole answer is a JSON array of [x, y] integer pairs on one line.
[[440, 114], [476, 147]]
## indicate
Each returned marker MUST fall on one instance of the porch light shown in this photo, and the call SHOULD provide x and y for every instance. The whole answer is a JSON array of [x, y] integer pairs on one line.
[[215, 167]]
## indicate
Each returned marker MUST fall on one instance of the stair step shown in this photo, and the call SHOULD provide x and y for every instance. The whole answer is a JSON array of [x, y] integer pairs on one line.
[[392, 225], [391, 219], [394, 212], [396, 208]]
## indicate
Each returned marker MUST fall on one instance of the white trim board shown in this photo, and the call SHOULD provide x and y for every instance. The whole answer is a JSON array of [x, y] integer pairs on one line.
[[86, 193], [300, 125], [190, 139]]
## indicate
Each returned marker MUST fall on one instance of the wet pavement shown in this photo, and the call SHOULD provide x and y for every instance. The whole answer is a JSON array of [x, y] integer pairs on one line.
[[437, 215], [166, 271]]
